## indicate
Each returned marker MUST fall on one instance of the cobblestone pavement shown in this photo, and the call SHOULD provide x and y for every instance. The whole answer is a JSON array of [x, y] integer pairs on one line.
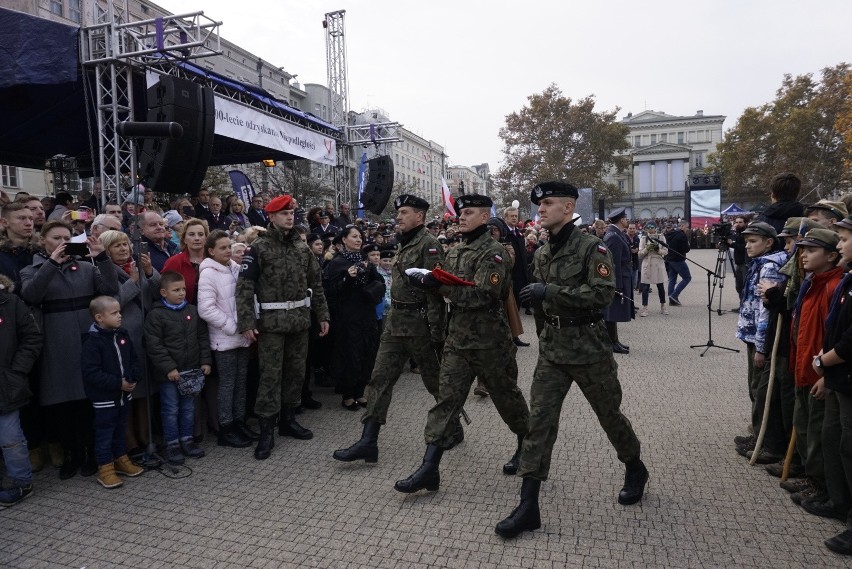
[[704, 507]]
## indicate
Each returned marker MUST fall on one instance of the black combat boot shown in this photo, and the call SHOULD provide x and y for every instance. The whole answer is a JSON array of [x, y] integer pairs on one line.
[[267, 438], [366, 449], [229, 436], [634, 483], [511, 467], [288, 427], [457, 437], [526, 516], [245, 431], [428, 476]]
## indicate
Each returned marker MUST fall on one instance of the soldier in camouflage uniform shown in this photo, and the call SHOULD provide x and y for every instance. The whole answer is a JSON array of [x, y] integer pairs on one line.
[[478, 343], [575, 282], [414, 328], [278, 272]]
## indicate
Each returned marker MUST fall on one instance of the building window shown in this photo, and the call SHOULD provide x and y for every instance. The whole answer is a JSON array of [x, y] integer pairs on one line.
[[653, 139], [699, 159], [9, 176], [664, 137], [74, 12], [637, 140], [680, 138], [56, 7], [621, 185]]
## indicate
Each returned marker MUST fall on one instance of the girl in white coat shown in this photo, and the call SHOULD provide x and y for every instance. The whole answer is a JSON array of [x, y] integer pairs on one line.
[[217, 285]]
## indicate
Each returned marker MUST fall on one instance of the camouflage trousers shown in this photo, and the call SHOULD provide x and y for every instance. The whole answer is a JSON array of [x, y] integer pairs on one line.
[[394, 352], [282, 371], [497, 369], [599, 384]]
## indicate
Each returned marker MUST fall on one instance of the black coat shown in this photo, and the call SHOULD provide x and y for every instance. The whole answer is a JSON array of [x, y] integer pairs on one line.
[[258, 218], [778, 213], [677, 242], [107, 358], [838, 337], [621, 309], [176, 339], [20, 344]]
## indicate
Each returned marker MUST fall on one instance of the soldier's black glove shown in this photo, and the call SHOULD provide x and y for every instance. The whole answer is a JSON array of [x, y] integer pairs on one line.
[[533, 292], [423, 281]]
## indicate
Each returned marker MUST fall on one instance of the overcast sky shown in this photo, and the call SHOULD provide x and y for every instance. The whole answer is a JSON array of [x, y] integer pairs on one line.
[[451, 71]]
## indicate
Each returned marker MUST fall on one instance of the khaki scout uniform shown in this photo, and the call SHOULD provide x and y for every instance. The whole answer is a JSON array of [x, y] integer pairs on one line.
[[415, 317], [478, 343], [278, 269], [574, 347]]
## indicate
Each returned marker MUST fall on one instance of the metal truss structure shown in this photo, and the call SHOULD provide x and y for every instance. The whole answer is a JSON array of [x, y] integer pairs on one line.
[[116, 47]]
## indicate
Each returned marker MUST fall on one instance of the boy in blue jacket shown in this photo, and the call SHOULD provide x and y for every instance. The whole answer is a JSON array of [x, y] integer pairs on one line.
[[110, 372]]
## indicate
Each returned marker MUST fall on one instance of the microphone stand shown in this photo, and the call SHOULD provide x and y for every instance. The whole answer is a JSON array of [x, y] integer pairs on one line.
[[710, 276]]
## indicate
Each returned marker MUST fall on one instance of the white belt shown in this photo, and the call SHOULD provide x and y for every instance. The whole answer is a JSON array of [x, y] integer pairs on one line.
[[288, 305]]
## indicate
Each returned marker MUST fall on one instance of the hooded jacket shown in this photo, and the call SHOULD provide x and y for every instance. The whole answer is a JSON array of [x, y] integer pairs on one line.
[[778, 213], [754, 315], [217, 304]]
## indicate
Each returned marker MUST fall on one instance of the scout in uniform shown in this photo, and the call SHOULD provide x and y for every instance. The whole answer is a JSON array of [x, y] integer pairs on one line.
[[575, 282]]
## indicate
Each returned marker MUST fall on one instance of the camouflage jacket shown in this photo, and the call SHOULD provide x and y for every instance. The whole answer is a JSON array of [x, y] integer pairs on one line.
[[477, 320], [423, 251], [580, 283], [276, 268]]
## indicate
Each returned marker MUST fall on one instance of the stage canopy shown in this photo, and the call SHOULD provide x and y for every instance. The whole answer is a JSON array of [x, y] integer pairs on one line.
[[47, 104], [734, 209]]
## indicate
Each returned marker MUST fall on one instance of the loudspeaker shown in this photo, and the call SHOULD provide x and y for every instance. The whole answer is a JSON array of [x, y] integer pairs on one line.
[[377, 188], [177, 165]]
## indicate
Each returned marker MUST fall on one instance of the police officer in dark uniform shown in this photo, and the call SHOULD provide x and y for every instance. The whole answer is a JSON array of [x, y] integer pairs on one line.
[[574, 283]]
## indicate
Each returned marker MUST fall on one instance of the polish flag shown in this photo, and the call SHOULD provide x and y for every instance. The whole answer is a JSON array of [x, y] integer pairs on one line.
[[447, 198]]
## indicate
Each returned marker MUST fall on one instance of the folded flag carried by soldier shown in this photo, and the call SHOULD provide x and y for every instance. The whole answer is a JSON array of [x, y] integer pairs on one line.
[[440, 275]]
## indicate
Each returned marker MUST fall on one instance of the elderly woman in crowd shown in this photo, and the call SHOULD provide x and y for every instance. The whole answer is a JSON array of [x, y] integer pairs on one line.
[[653, 269], [59, 287], [237, 220], [352, 287], [138, 288]]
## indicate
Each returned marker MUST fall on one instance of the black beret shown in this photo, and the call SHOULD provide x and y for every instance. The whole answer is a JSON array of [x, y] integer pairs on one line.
[[472, 200], [553, 189], [387, 253], [369, 248], [410, 201]]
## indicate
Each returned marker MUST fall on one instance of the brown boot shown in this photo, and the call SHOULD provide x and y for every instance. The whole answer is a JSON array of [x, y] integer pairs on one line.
[[56, 454], [36, 459], [107, 477], [126, 467]]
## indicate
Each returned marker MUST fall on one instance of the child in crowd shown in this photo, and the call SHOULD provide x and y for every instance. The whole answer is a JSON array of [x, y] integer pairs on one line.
[[177, 341], [217, 305], [834, 365], [764, 270], [20, 344], [819, 260], [110, 372]]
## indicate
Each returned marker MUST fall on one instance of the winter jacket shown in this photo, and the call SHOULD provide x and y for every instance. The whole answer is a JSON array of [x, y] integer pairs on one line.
[[176, 339], [60, 294], [651, 255], [20, 344], [777, 214], [754, 316], [159, 256], [14, 259], [108, 357], [180, 263], [217, 304], [809, 316], [677, 242]]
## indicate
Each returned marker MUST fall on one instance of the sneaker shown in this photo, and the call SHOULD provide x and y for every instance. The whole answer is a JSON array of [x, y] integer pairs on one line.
[[190, 449], [124, 466], [173, 455], [644, 312], [674, 302], [744, 440], [11, 496]]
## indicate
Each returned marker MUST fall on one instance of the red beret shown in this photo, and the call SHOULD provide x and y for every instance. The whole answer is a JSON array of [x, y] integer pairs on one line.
[[279, 203]]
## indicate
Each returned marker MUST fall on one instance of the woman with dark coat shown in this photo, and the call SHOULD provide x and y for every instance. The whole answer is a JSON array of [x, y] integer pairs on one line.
[[59, 287], [352, 287]]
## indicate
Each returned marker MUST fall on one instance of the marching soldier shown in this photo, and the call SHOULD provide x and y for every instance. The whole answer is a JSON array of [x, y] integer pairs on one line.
[[279, 285], [479, 343], [574, 284], [414, 328]]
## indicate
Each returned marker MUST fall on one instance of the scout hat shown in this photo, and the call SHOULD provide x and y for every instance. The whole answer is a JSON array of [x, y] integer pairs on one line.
[[845, 223], [760, 228], [820, 237], [410, 201], [794, 224], [837, 209], [279, 203], [472, 200], [553, 189]]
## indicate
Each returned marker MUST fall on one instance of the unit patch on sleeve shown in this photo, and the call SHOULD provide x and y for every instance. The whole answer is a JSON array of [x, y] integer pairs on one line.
[[498, 258], [603, 270], [494, 278]]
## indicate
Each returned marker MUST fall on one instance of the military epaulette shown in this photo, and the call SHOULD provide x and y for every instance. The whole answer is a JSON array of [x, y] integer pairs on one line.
[[601, 248], [498, 258]]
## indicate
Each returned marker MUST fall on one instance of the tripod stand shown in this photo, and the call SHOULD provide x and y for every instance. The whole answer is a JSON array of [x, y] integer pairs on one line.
[[720, 273], [714, 278]]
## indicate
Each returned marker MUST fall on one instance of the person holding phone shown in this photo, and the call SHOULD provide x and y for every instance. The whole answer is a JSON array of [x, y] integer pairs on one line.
[[59, 286], [237, 219]]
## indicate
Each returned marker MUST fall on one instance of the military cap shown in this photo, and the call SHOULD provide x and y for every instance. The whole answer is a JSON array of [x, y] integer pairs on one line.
[[553, 189], [279, 203], [387, 254], [820, 237], [617, 214], [794, 225], [323, 213], [369, 248], [760, 228], [473, 200], [845, 223], [837, 209], [410, 200]]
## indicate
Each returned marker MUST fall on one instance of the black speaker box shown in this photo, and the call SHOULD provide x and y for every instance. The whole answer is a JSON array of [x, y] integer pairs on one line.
[[379, 184], [178, 165]]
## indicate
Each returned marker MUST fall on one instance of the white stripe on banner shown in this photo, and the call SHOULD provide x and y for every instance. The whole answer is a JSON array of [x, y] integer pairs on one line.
[[249, 125]]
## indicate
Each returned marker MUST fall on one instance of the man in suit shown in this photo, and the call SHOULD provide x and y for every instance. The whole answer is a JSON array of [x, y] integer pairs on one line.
[[256, 214], [202, 208], [621, 308], [217, 219], [519, 269]]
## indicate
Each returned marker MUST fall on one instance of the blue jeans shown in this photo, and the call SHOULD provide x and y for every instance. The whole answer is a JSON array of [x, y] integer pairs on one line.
[[110, 439], [678, 269], [178, 413], [16, 455]]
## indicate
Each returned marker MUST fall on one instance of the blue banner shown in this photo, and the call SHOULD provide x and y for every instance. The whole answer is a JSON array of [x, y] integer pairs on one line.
[[242, 187], [362, 180]]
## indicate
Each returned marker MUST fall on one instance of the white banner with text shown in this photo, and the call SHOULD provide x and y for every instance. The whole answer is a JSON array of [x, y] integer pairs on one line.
[[239, 122]]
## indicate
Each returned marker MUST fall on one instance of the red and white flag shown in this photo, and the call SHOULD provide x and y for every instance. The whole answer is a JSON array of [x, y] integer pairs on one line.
[[447, 198]]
